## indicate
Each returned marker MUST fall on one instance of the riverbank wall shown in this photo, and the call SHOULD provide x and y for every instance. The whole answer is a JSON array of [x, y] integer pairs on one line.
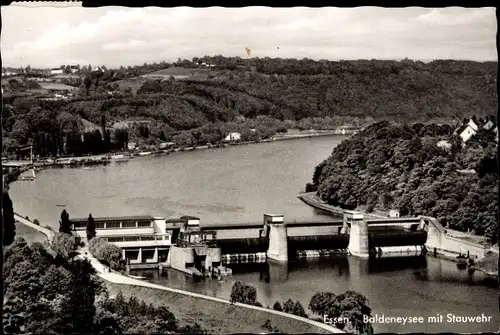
[[212, 314]]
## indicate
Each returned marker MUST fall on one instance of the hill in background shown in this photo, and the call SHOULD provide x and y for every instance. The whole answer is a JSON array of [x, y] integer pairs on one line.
[[268, 94]]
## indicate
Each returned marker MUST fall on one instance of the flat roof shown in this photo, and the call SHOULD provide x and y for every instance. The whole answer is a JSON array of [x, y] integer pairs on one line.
[[231, 226], [175, 220], [114, 218], [134, 235]]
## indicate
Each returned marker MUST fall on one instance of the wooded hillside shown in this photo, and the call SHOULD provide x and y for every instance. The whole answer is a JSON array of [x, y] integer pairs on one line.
[[269, 94], [390, 166]]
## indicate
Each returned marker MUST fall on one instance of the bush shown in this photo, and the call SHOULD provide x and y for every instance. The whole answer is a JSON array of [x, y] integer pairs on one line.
[[106, 253], [267, 326], [36, 222], [65, 245], [277, 306]]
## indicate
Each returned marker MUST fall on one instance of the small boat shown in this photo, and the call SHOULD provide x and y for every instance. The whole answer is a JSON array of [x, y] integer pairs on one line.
[[67, 161], [137, 277], [145, 153]]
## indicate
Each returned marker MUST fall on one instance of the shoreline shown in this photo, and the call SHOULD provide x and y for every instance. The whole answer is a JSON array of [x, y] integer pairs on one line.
[[103, 159]]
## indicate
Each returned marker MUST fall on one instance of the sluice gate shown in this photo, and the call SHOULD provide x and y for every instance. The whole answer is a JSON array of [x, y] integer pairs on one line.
[[324, 253], [398, 251], [243, 245], [393, 238], [321, 242], [259, 257]]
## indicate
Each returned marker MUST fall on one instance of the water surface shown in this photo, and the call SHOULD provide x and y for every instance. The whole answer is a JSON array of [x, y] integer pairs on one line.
[[238, 184]]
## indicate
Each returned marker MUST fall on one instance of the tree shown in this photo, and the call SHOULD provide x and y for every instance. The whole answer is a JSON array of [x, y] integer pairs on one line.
[[91, 233], [107, 253], [67, 69], [288, 306], [65, 245], [57, 295], [349, 305], [81, 302], [8, 221], [65, 223], [243, 293], [321, 302], [277, 306], [294, 308]]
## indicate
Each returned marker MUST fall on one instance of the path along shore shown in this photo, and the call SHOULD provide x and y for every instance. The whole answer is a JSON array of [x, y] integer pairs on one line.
[[201, 305]]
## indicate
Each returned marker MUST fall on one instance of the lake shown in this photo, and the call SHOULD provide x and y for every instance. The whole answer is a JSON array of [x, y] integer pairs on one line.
[[239, 184]]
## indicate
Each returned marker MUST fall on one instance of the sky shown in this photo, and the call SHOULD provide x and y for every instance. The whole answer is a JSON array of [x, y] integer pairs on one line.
[[115, 36]]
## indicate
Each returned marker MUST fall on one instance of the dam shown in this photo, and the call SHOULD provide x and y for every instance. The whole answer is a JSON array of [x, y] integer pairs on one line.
[[184, 243]]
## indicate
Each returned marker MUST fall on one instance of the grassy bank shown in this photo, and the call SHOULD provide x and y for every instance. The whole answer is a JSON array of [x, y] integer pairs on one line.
[[29, 234], [215, 317]]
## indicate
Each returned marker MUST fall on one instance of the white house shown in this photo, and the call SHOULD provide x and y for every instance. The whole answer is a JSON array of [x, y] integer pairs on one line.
[[233, 137], [56, 71], [473, 125], [488, 125], [393, 213], [131, 145], [466, 132]]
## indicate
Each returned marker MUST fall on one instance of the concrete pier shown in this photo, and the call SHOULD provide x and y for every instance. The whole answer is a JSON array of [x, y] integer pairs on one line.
[[278, 241], [358, 237]]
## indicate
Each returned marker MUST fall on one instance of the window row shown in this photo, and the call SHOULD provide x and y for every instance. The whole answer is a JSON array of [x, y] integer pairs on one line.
[[115, 224], [136, 238]]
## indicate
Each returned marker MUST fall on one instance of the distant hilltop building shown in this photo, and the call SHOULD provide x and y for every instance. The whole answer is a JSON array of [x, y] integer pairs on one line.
[[205, 64], [74, 68], [471, 127], [56, 71], [7, 74]]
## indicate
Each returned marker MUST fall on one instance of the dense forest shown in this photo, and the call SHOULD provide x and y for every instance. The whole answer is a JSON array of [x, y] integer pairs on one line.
[[256, 97], [391, 166], [49, 291]]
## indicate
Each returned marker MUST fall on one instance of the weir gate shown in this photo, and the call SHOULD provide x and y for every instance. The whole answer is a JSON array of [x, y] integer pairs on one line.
[[275, 239]]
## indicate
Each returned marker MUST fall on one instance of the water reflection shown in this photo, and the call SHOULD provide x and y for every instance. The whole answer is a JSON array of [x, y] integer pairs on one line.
[[423, 269], [418, 282], [396, 264]]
